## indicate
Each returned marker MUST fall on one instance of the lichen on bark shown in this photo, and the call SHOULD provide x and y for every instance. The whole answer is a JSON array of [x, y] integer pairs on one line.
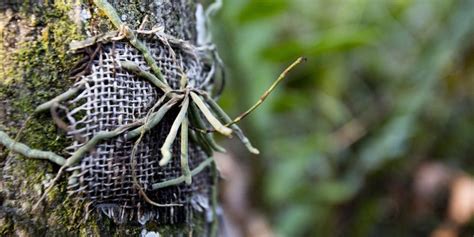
[[34, 38]]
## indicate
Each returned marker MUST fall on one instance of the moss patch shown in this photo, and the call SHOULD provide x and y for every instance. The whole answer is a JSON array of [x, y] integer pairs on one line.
[[36, 69]]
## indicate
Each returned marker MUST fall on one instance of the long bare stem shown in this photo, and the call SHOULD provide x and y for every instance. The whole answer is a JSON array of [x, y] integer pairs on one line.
[[268, 91]]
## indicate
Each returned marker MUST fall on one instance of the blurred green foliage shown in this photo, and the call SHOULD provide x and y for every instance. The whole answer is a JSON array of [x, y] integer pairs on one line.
[[388, 84]]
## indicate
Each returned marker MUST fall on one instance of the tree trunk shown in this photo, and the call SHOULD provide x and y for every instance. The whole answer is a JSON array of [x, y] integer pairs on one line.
[[34, 39]]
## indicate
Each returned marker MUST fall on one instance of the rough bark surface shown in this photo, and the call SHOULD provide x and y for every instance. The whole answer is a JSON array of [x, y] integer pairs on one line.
[[34, 36]]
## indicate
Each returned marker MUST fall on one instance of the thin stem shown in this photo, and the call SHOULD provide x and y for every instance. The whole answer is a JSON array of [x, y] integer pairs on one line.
[[184, 152], [134, 175], [166, 148], [51, 185], [181, 179], [207, 113]]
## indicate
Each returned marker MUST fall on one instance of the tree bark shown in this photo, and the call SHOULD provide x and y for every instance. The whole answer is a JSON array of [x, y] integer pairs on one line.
[[34, 38]]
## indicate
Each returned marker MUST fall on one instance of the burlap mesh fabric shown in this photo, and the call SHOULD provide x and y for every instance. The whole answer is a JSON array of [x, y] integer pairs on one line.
[[112, 97]]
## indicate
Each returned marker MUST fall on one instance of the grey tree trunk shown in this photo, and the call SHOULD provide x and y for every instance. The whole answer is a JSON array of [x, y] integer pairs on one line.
[[34, 38]]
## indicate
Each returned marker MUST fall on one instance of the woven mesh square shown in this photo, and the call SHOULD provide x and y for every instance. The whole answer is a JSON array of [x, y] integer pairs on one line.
[[113, 97]]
